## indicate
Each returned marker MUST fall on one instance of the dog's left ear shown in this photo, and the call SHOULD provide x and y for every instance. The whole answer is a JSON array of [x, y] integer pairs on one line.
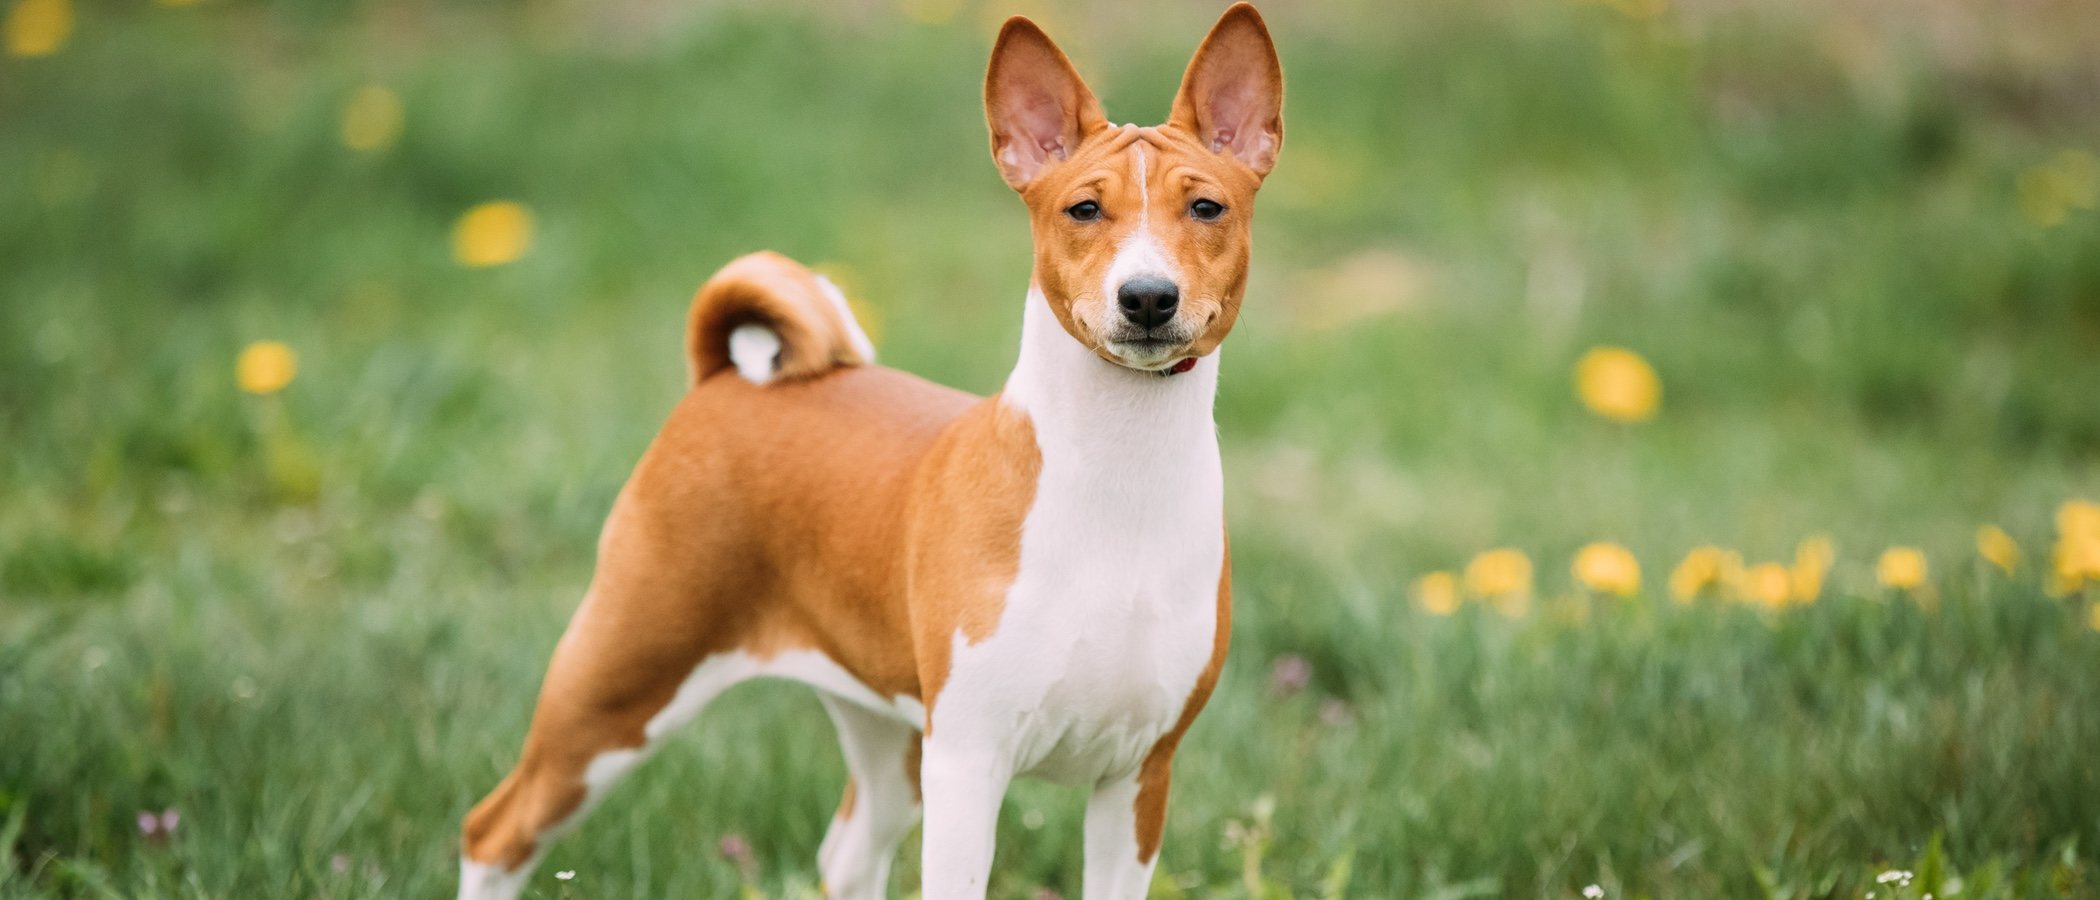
[[1232, 95]]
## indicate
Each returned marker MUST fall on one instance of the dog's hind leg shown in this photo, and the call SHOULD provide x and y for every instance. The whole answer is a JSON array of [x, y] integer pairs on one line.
[[623, 677], [881, 802]]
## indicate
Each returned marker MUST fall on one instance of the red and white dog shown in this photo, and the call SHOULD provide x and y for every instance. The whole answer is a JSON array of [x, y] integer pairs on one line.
[[1033, 583]]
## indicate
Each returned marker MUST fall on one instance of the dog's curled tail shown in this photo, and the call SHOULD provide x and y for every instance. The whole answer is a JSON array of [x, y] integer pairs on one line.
[[771, 319]]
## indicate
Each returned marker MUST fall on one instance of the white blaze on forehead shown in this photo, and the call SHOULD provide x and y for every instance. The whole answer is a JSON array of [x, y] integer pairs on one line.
[[1140, 252], [1144, 190]]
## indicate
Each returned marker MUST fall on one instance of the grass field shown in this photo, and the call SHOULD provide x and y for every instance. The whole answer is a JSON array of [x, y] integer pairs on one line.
[[1856, 241]]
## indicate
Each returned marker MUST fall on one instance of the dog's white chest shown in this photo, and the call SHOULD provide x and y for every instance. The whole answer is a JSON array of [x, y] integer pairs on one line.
[[1093, 660], [1110, 621]]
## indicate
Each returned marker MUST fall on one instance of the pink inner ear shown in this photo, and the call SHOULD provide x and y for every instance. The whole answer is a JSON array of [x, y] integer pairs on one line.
[[1231, 106], [1042, 122], [1036, 133], [1234, 115]]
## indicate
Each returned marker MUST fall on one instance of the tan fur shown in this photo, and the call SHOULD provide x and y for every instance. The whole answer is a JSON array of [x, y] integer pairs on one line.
[[857, 510], [963, 538], [1157, 770], [762, 519]]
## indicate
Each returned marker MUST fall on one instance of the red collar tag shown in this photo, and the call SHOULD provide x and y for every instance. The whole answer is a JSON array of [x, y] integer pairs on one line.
[[1182, 366]]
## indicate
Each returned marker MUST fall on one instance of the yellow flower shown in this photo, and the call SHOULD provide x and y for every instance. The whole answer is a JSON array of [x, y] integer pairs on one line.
[[492, 233], [1437, 593], [1503, 577], [2076, 560], [1768, 584], [371, 119], [1994, 545], [1812, 559], [1608, 568], [2075, 564], [1703, 569], [265, 367], [2078, 518], [1902, 568], [38, 27], [1617, 384]]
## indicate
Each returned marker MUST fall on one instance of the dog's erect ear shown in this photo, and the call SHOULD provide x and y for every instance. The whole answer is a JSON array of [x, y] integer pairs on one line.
[[1037, 107], [1232, 95]]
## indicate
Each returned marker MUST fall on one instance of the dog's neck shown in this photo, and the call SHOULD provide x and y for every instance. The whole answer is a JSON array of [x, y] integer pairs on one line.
[[1121, 421]]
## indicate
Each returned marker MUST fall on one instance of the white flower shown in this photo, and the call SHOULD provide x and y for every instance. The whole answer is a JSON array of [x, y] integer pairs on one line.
[[1893, 876], [565, 874], [1593, 892]]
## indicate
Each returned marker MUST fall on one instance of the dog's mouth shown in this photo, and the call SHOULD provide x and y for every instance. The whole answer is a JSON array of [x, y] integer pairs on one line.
[[1146, 352]]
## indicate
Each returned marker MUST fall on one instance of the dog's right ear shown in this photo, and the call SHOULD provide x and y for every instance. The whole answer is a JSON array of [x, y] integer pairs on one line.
[[1038, 108]]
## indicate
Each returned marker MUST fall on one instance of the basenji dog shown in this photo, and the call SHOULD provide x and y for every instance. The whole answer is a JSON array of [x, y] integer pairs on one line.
[[1034, 583]]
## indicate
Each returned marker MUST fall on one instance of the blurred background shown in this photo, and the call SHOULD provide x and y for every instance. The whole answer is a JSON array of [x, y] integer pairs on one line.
[[1660, 435]]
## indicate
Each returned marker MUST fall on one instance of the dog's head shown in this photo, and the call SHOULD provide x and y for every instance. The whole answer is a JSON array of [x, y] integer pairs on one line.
[[1141, 234]]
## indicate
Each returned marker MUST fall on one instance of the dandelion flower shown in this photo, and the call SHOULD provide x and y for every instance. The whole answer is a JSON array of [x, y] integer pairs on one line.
[[2076, 563], [1768, 584], [1704, 568], [1501, 576], [38, 27], [492, 233], [2078, 517], [1998, 548], [2076, 560], [265, 367], [1812, 559], [371, 119], [1608, 568], [1437, 593], [1618, 384], [1902, 568]]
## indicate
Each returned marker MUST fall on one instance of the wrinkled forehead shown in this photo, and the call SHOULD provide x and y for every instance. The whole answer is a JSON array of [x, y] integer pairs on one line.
[[1123, 151]]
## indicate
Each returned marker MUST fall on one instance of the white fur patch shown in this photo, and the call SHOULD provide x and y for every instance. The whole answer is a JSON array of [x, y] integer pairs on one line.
[[487, 881], [755, 351], [1111, 618], [1140, 252]]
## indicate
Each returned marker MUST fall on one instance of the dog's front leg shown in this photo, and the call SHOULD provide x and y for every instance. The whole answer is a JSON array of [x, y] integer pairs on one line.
[[1122, 838], [963, 786]]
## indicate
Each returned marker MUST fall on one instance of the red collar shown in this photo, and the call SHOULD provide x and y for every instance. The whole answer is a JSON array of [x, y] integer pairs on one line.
[[1179, 367]]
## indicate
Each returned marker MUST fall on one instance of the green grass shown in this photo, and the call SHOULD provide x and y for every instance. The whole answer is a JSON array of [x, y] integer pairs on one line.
[[313, 622]]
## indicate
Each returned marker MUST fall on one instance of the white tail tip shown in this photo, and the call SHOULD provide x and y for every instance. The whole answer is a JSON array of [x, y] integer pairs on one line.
[[755, 351]]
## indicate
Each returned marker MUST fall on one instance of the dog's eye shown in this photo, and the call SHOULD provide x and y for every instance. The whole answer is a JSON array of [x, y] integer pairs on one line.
[[1207, 210], [1084, 211]]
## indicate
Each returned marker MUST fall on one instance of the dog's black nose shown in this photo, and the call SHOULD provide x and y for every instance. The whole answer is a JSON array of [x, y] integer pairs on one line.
[[1148, 301]]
